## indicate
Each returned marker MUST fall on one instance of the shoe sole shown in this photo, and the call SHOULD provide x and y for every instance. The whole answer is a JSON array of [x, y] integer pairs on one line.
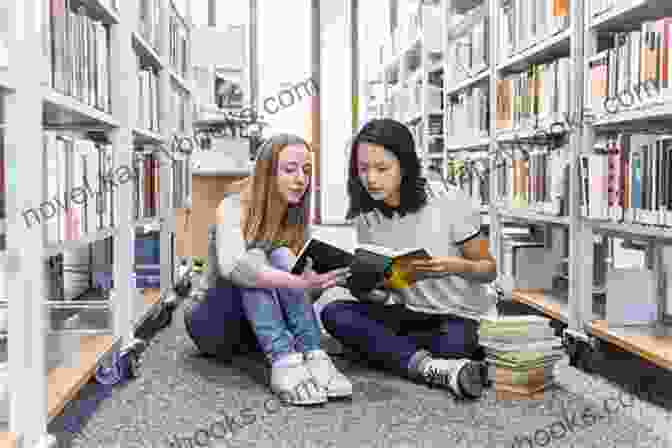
[[339, 394], [303, 402]]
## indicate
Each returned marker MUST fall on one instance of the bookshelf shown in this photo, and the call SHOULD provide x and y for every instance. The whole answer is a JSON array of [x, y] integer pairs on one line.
[[540, 142], [87, 106], [408, 87]]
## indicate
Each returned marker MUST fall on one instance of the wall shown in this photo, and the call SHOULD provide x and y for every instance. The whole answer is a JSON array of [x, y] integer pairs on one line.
[[191, 233]]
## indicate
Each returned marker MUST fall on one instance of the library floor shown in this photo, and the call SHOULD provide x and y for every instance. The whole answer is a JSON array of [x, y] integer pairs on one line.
[[179, 392]]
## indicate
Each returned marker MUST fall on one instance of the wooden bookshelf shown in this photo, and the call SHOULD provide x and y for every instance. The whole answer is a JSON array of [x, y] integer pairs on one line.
[[648, 341], [64, 383], [33, 107]]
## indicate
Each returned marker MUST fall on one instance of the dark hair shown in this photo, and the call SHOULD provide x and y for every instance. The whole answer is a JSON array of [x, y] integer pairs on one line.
[[395, 137]]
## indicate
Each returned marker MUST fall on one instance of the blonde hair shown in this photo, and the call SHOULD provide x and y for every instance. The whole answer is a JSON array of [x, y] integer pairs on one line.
[[268, 220]]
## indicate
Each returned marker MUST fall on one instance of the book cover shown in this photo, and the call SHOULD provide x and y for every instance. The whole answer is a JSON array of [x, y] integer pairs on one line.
[[369, 264], [325, 257]]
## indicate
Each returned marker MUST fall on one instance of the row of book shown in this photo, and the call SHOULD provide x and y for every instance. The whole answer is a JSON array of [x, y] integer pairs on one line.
[[468, 113], [469, 53], [538, 180], [534, 98], [78, 51], [147, 187], [148, 100], [179, 109], [81, 183], [526, 22], [435, 145], [627, 178], [79, 189], [636, 67], [435, 124], [178, 44], [464, 174], [521, 352], [150, 22]]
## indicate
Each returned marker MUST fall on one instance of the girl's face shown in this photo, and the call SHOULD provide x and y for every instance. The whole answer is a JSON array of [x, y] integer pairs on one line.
[[380, 173], [293, 173]]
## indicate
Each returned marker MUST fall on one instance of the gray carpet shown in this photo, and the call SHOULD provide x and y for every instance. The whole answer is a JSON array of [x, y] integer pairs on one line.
[[180, 393]]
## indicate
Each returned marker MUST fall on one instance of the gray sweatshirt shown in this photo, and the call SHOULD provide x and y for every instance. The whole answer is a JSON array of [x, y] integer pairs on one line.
[[440, 227], [230, 259]]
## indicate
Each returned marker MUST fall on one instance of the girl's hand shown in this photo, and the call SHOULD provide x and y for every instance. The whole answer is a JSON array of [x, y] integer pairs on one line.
[[310, 279], [437, 265]]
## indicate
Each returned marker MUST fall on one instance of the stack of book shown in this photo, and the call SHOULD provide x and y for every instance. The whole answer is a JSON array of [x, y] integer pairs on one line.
[[521, 352]]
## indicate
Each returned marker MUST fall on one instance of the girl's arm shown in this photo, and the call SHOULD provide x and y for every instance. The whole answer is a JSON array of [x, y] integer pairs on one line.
[[245, 268], [376, 295]]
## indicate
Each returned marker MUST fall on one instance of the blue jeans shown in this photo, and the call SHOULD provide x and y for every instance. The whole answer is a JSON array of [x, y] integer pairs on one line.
[[283, 319], [392, 335]]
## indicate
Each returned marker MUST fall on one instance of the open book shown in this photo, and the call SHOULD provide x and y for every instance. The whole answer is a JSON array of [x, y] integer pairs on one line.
[[326, 256], [369, 264]]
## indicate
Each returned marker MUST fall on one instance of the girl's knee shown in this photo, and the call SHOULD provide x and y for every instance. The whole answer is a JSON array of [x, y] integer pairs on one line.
[[335, 312], [281, 258]]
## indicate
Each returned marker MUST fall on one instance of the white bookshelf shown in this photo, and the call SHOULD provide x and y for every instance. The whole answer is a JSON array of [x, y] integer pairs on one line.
[[41, 378], [409, 56], [577, 42]]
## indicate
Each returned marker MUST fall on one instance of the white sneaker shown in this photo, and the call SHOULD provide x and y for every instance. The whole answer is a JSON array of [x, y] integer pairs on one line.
[[327, 375], [463, 377], [294, 384]]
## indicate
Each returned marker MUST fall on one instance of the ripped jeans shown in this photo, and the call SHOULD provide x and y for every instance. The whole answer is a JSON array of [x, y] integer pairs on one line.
[[283, 319]]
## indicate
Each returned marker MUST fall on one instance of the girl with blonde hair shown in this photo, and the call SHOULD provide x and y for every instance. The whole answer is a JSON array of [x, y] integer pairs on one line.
[[262, 224]]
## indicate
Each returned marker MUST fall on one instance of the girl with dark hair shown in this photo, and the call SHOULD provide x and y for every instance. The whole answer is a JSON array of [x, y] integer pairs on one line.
[[391, 208], [261, 226]]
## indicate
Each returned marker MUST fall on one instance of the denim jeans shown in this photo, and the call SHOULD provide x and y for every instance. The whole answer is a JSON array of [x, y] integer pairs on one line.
[[283, 319], [391, 335]]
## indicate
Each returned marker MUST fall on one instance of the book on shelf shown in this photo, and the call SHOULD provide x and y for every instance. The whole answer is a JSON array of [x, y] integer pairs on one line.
[[77, 50], [179, 110], [366, 261], [634, 69], [526, 22], [177, 35], [468, 114], [464, 174], [147, 266], [150, 22], [636, 185], [146, 187], [534, 98], [538, 181], [469, 52], [78, 191], [148, 100]]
